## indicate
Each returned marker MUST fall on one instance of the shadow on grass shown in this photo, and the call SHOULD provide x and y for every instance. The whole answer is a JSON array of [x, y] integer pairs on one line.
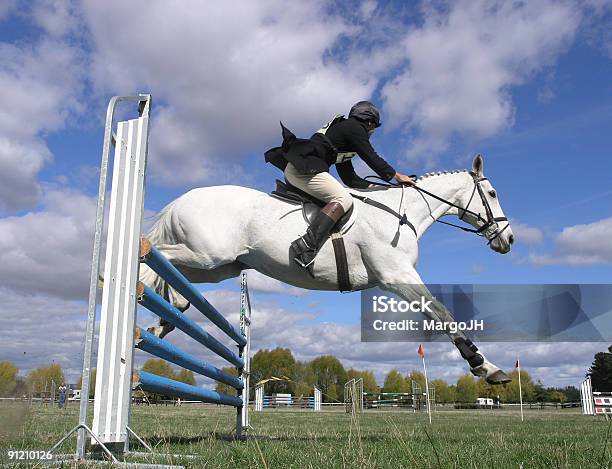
[[230, 437]]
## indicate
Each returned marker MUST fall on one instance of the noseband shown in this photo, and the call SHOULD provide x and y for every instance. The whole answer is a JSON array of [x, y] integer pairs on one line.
[[491, 221]]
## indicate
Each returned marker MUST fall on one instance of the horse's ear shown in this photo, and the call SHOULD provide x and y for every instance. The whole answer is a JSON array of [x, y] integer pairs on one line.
[[477, 165]]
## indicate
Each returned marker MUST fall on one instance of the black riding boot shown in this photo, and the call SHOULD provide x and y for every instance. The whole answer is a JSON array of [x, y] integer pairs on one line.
[[307, 246]]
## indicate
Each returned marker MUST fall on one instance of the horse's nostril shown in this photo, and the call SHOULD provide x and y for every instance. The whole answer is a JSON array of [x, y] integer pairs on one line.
[[511, 239]]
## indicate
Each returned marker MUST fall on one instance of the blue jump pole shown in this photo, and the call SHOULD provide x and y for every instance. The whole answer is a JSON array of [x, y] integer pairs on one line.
[[168, 387], [156, 304], [164, 349], [154, 259]]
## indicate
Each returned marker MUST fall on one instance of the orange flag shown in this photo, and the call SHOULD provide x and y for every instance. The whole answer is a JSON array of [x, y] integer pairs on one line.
[[517, 364], [420, 351]]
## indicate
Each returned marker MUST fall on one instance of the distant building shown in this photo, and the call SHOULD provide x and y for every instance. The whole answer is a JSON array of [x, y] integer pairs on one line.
[[484, 402]]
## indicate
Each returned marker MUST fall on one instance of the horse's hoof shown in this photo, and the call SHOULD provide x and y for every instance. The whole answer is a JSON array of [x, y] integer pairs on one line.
[[499, 377], [165, 330], [155, 330]]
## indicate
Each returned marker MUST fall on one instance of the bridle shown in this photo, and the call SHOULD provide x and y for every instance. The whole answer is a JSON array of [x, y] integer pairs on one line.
[[490, 226], [488, 223]]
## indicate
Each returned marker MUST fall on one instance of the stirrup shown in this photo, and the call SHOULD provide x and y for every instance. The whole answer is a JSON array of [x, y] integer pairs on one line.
[[298, 260], [301, 248], [300, 245]]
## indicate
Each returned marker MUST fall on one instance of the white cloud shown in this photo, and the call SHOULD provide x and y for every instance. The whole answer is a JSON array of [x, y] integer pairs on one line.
[[526, 234], [49, 251], [597, 25], [476, 268], [223, 76], [39, 330], [580, 245], [56, 17], [226, 75], [7, 7], [261, 283], [39, 89], [367, 8], [20, 163], [462, 63], [546, 95]]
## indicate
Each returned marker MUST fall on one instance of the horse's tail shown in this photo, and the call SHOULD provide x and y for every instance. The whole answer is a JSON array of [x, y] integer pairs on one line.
[[161, 233]]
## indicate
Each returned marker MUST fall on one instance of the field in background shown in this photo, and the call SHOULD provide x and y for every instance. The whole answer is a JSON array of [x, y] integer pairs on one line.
[[331, 438]]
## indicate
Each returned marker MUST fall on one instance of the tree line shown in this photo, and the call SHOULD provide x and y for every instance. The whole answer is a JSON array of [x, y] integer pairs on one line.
[[328, 373]]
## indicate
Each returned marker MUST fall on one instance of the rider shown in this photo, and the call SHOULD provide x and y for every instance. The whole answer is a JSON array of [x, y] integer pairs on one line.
[[306, 164]]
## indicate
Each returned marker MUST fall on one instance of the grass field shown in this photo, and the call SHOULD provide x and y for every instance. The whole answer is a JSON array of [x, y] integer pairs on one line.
[[304, 439]]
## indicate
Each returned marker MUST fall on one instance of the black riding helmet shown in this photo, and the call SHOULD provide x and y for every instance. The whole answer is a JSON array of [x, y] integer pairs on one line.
[[366, 111]]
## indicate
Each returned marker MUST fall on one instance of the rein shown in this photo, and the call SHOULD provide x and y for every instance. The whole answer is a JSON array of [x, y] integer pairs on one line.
[[481, 231], [403, 220]]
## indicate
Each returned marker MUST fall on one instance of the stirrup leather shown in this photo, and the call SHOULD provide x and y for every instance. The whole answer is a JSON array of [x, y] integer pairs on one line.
[[305, 254]]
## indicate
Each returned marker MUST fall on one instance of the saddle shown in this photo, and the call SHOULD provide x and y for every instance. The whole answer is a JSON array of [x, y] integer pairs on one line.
[[311, 205], [310, 208]]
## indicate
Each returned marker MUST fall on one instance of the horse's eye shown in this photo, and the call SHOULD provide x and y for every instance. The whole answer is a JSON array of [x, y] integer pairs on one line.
[[492, 194]]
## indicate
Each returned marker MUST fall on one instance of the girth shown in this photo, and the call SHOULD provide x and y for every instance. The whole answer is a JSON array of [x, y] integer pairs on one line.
[[310, 207]]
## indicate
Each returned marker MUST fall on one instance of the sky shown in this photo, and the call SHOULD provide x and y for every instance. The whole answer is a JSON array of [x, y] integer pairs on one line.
[[526, 84]]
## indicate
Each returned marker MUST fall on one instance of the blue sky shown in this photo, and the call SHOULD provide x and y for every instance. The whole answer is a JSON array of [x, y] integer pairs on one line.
[[528, 86]]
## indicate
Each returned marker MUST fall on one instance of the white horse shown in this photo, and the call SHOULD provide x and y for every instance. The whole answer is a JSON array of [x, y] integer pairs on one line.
[[212, 234]]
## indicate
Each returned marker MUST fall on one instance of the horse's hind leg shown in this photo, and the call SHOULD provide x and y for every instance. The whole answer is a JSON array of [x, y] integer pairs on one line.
[[197, 269]]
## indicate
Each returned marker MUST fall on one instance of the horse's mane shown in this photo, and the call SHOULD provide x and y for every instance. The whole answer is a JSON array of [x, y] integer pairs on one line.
[[420, 178], [440, 173]]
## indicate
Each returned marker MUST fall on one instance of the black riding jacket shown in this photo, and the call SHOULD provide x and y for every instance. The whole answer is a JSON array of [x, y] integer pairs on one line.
[[351, 135], [317, 154]]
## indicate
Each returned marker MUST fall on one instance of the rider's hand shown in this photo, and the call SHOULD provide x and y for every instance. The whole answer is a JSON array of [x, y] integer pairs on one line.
[[402, 178]]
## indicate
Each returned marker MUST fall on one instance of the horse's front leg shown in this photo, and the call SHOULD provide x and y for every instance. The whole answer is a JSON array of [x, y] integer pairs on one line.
[[409, 286]]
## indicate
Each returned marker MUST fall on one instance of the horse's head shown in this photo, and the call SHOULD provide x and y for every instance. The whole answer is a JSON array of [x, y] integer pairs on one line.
[[483, 211]]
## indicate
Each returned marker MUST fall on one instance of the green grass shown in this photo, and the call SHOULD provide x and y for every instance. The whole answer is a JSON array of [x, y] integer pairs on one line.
[[304, 439]]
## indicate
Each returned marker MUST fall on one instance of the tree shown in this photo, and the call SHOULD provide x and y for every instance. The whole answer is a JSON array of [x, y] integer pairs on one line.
[[226, 388], [443, 391], [352, 373], [572, 393], [303, 380], [330, 376], [369, 380], [484, 389], [8, 378], [557, 396], [467, 389], [158, 367], [395, 382], [278, 363], [418, 377], [601, 371], [511, 390], [539, 393], [187, 377], [44, 379]]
